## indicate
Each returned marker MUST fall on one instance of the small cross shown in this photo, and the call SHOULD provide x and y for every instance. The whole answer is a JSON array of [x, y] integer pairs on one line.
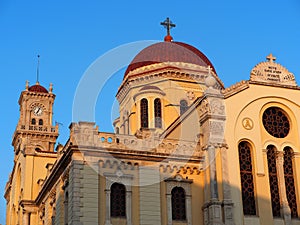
[[209, 70], [168, 25], [271, 58]]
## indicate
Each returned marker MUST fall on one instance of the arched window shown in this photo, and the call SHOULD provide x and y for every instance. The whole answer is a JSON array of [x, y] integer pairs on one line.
[[157, 112], [178, 204], [117, 130], [271, 155], [144, 113], [246, 172], [41, 122], [183, 106], [33, 121], [289, 181], [118, 200]]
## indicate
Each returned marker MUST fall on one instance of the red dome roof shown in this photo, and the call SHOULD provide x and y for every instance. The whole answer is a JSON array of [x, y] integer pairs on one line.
[[37, 88], [168, 52]]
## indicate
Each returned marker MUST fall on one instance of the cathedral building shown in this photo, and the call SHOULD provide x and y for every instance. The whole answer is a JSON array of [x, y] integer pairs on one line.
[[185, 151]]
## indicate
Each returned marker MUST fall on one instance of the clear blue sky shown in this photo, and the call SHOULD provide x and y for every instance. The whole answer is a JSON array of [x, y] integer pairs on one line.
[[69, 35]]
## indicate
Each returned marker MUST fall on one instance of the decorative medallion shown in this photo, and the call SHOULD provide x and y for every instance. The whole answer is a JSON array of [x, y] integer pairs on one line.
[[247, 123], [190, 95], [271, 72]]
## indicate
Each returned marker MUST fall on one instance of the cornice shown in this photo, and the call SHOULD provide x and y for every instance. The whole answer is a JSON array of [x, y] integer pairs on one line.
[[168, 70], [235, 88]]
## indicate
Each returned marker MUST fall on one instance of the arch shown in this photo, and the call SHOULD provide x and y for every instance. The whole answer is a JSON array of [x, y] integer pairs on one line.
[[157, 113], [178, 204], [33, 121], [289, 181], [118, 200], [41, 122], [183, 106], [144, 113], [273, 180], [247, 182]]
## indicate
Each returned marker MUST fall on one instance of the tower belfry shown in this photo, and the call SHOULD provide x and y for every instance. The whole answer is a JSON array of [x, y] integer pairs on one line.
[[35, 131]]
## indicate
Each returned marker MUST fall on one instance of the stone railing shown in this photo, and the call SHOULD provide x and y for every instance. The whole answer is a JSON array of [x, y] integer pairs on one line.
[[150, 144], [38, 128]]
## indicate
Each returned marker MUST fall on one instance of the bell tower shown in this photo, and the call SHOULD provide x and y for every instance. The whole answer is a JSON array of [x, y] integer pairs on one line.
[[33, 141], [35, 132]]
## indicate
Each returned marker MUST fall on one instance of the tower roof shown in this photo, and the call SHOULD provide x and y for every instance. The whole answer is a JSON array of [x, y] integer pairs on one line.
[[37, 88], [169, 51]]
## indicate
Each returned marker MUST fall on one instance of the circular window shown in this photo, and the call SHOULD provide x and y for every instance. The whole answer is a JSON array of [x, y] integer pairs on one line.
[[276, 122]]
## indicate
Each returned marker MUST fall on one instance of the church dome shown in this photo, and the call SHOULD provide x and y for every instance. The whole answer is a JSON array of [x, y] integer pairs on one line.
[[169, 51], [37, 88]]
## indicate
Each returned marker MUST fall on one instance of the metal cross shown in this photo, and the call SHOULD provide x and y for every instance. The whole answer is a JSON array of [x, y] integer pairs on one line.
[[168, 25], [271, 58]]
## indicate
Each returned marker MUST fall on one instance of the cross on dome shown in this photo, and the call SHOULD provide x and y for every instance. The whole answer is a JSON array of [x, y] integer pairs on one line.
[[168, 25], [271, 58]]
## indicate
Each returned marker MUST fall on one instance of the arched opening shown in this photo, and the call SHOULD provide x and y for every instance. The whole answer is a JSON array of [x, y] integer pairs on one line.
[[157, 113], [247, 184], [289, 181], [41, 122], [33, 121], [118, 200], [183, 106], [144, 113], [178, 204], [274, 189]]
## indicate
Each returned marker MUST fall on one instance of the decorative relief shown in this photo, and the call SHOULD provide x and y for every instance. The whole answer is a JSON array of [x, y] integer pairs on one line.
[[204, 107], [271, 72], [217, 128], [247, 123], [217, 107], [190, 95]]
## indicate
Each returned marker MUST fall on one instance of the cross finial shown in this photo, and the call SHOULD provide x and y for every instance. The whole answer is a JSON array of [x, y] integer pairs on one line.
[[271, 58], [168, 25], [209, 70]]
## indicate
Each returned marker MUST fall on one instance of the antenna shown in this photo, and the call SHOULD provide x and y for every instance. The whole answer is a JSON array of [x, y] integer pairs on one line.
[[38, 69]]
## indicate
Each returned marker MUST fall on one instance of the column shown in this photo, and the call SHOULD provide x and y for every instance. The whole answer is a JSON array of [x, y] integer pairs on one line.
[[214, 205], [227, 201], [213, 173], [107, 207], [169, 208], [25, 218], [128, 205], [285, 209], [188, 209]]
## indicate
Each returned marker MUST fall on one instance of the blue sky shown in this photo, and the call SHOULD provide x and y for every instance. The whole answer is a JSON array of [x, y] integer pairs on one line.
[[69, 35]]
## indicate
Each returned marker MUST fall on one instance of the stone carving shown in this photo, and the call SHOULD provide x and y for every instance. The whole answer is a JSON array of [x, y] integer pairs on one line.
[[190, 95], [271, 72], [247, 123], [204, 107], [217, 107]]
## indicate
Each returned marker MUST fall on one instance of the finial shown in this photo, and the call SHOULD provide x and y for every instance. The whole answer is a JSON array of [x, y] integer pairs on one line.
[[27, 85], [168, 25], [38, 70], [271, 58], [51, 88], [210, 81]]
